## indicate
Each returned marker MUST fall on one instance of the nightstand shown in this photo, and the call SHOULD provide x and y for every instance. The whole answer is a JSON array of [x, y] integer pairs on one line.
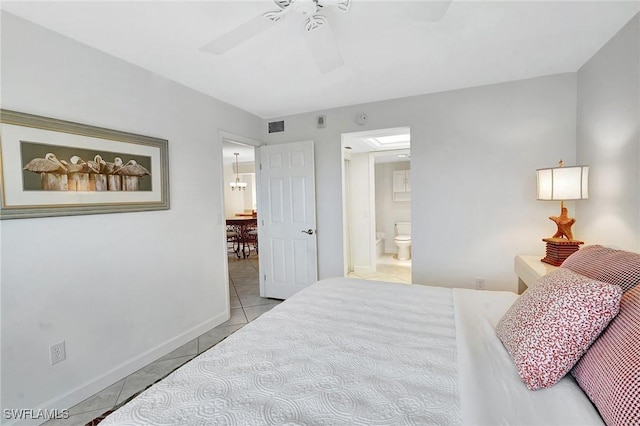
[[529, 269]]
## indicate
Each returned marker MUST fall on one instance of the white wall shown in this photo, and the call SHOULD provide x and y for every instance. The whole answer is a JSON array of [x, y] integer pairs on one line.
[[361, 216], [120, 289], [388, 211], [609, 142], [474, 153]]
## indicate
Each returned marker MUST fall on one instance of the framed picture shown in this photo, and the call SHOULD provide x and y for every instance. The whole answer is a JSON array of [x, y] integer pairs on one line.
[[51, 167]]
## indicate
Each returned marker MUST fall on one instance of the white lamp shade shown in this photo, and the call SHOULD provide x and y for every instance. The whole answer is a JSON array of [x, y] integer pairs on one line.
[[563, 183]]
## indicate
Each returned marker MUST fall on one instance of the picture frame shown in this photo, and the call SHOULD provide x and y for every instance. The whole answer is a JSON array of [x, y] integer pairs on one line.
[[51, 167]]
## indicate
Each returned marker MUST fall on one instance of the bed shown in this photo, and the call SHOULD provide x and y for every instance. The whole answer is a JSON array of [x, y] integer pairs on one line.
[[347, 351]]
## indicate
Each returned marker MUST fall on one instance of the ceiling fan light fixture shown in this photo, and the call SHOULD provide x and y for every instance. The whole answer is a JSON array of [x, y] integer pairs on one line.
[[304, 7], [282, 3], [274, 15], [344, 5], [315, 22]]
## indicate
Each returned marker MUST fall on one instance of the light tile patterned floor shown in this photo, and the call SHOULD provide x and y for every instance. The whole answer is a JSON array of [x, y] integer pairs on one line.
[[246, 305], [388, 269]]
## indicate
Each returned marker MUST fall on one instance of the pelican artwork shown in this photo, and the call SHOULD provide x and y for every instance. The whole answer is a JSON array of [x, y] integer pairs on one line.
[[114, 182], [48, 164], [110, 168], [97, 174], [78, 172], [96, 165], [53, 173], [132, 168], [131, 174], [76, 165]]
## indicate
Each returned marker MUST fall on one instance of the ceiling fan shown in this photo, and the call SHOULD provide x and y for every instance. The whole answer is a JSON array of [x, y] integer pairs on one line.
[[317, 31]]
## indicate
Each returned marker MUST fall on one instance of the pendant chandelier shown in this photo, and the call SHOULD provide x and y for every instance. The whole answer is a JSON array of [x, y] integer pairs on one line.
[[237, 184]]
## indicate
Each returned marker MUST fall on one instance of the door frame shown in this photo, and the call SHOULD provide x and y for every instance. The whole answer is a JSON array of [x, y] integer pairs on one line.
[[346, 212], [224, 137], [348, 139]]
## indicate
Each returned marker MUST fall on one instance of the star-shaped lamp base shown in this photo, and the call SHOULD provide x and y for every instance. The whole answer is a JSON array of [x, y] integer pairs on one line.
[[562, 244], [564, 223]]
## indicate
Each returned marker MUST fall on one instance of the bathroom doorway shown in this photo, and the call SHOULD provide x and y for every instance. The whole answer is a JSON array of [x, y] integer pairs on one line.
[[377, 204]]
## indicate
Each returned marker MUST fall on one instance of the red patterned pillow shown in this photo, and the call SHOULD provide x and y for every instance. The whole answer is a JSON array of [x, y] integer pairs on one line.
[[605, 264], [552, 324], [609, 373]]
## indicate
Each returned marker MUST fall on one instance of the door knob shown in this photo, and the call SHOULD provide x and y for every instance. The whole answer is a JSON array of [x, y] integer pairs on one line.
[[308, 231]]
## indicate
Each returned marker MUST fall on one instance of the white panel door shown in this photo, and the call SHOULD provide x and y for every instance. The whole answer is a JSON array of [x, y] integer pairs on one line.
[[288, 251]]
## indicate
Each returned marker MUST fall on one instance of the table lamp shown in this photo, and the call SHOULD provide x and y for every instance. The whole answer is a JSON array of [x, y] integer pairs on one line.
[[562, 184]]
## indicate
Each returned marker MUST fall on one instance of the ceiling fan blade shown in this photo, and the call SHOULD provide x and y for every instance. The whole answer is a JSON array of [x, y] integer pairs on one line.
[[322, 44], [242, 33]]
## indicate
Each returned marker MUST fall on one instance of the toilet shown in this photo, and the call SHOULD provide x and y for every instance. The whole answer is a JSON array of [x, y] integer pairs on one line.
[[403, 240]]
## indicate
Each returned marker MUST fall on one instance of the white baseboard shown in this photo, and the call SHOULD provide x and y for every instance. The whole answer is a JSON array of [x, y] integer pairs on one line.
[[84, 391]]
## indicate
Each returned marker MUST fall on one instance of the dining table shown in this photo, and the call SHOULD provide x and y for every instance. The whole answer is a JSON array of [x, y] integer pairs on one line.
[[242, 225]]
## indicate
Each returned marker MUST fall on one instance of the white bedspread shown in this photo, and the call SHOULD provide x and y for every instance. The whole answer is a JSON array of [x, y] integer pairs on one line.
[[359, 352], [340, 352]]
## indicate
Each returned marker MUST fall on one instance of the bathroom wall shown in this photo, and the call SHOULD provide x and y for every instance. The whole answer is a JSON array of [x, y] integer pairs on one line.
[[362, 229], [388, 211]]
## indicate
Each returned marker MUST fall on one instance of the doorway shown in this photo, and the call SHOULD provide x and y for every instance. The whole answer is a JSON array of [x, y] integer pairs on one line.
[[377, 204], [284, 182], [240, 200]]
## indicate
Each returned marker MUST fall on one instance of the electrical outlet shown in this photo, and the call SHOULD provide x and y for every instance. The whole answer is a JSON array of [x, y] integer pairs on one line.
[[57, 353], [479, 283]]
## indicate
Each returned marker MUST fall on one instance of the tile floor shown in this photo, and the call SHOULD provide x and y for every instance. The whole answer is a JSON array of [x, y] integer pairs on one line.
[[246, 305], [388, 269]]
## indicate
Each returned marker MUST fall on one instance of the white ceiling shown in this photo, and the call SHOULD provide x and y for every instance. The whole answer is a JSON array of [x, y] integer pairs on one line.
[[246, 153], [387, 52], [357, 141]]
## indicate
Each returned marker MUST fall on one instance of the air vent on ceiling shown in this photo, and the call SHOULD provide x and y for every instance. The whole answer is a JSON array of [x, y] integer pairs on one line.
[[276, 126]]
